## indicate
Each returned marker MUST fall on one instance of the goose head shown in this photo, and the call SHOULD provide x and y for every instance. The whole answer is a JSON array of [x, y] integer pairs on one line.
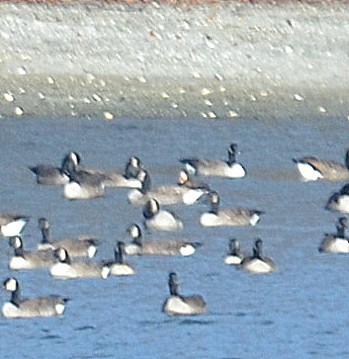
[[62, 255], [135, 233], [11, 285], [151, 208], [17, 244]]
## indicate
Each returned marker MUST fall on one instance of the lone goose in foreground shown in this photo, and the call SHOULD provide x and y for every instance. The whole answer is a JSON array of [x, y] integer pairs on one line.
[[177, 304], [28, 260], [257, 263], [228, 216], [339, 201], [204, 167], [158, 219], [118, 267], [234, 256], [186, 192], [50, 175], [312, 169], [34, 307], [336, 243], [66, 269], [162, 247], [82, 246], [12, 224]]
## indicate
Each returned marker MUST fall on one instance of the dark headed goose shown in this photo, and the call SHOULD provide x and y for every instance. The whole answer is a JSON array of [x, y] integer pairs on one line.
[[169, 194], [22, 259], [67, 269], [204, 167], [162, 247], [339, 201], [234, 256], [312, 168], [119, 267], [336, 243], [159, 219], [12, 224], [177, 304], [228, 216], [50, 175], [257, 263], [34, 307], [82, 246]]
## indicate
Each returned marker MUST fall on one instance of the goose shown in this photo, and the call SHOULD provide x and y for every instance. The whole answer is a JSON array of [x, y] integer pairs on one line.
[[128, 179], [67, 269], [257, 263], [177, 304], [339, 201], [170, 194], [205, 167], [28, 260], [118, 267], [82, 246], [159, 219], [234, 256], [336, 243], [12, 224], [34, 307], [312, 168], [228, 216], [163, 247], [50, 175]]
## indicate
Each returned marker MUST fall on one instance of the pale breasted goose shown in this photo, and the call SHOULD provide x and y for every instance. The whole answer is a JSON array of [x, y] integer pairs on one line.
[[51, 175], [162, 247], [257, 263], [12, 224], [81, 246], [159, 219], [34, 307], [22, 259], [177, 304], [167, 194], [67, 269], [207, 167], [336, 243], [119, 267], [312, 169], [238, 216]]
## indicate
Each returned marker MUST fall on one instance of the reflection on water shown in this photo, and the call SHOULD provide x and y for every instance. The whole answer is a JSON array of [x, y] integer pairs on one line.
[[297, 312]]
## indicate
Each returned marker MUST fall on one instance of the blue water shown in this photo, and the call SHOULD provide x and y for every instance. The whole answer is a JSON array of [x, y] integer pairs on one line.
[[298, 312]]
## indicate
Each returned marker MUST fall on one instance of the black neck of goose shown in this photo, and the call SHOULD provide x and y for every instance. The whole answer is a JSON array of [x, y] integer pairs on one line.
[[347, 159], [68, 166], [119, 255], [45, 235], [131, 171], [257, 251], [231, 156], [67, 259], [340, 230], [16, 297], [19, 252], [138, 240], [214, 206], [146, 184], [173, 287], [147, 212], [234, 249]]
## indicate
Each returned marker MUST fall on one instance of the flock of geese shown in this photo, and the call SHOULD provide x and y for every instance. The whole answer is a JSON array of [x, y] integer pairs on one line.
[[72, 257]]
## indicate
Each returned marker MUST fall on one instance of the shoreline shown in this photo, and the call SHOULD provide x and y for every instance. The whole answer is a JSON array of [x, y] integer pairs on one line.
[[213, 60]]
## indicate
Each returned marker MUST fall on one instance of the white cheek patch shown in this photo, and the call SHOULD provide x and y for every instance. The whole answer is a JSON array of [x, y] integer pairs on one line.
[[308, 172]]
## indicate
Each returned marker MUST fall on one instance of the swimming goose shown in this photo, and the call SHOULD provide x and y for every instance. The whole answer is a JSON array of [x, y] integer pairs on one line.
[[51, 175], [336, 243], [234, 256], [12, 224], [82, 246], [119, 267], [204, 167], [67, 269], [312, 169], [128, 179], [162, 247], [257, 263], [339, 201], [186, 192], [177, 304], [34, 307], [159, 219], [228, 216], [28, 260]]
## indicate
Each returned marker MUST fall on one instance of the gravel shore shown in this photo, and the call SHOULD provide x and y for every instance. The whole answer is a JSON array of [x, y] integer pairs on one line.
[[213, 60]]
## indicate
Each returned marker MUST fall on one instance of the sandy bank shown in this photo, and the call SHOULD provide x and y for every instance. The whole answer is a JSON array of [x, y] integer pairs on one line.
[[215, 60]]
